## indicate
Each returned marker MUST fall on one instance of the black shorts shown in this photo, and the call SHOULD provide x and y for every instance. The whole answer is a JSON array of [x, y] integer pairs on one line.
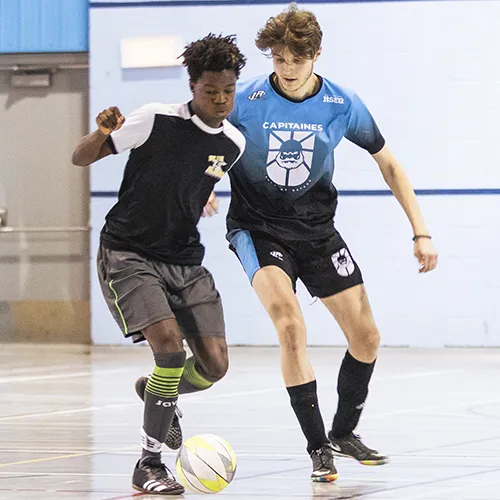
[[326, 267], [140, 292]]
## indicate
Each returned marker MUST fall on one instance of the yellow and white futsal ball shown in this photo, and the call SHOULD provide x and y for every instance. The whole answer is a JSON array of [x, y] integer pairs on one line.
[[206, 464]]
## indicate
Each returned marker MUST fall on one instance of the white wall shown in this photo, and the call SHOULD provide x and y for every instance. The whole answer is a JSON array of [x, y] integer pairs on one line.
[[429, 73]]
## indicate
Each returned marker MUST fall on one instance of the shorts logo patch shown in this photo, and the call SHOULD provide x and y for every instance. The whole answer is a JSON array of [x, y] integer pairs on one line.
[[343, 263], [276, 255]]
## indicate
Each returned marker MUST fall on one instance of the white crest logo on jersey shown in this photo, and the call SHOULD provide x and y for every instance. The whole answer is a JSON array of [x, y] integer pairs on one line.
[[343, 263], [333, 98], [290, 157], [256, 95], [215, 169]]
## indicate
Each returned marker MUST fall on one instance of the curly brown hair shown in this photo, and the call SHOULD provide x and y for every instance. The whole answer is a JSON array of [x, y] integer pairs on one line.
[[295, 29], [212, 53]]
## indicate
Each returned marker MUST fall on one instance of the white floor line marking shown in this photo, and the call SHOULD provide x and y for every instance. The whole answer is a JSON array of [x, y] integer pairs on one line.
[[403, 376], [51, 368], [64, 474], [62, 376], [209, 397], [58, 457], [67, 412]]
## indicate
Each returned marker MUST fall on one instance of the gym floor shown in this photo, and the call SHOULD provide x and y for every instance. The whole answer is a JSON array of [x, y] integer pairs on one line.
[[70, 421]]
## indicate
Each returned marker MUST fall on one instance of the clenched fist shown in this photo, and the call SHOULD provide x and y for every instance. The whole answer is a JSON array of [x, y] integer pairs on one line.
[[109, 120]]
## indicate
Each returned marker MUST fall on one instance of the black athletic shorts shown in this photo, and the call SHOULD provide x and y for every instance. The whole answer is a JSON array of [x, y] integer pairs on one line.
[[326, 267], [140, 292]]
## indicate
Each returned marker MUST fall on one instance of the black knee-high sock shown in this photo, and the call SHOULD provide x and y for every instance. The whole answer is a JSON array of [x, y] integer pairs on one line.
[[160, 399], [352, 388], [304, 401]]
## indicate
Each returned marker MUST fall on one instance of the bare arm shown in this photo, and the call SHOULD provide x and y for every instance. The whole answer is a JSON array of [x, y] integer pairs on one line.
[[212, 206], [93, 146], [397, 180]]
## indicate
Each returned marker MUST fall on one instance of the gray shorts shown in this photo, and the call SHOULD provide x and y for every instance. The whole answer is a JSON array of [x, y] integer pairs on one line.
[[140, 292]]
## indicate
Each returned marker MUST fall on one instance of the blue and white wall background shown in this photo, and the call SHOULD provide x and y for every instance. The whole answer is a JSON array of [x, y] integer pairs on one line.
[[429, 72]]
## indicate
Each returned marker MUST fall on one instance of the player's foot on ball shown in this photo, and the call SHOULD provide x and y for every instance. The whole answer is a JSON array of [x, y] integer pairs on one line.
[[352, 447], [324, 470], [152, 477], [174, 436]]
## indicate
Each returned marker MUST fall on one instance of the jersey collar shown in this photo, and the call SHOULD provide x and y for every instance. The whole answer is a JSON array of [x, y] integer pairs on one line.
[[201, 124], [280, 93]]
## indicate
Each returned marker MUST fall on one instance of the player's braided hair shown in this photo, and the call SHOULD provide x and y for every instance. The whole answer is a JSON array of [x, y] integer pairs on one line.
[[213, 53], [295, 29]]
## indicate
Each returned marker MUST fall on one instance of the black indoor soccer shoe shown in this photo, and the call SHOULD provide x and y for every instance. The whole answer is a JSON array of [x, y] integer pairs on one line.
[[174, 436], [352, 447], [154, 478], [324, 470]]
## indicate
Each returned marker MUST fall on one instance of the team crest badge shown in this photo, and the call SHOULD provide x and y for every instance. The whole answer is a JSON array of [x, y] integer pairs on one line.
[[343, 263], [215, 168], [290, 157]]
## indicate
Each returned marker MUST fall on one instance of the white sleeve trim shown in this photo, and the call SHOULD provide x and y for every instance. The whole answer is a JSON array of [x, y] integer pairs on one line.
[[139, 124], [237, 137]]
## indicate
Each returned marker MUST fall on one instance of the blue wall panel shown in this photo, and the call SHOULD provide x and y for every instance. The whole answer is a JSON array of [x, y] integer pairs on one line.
[[167, 3], [43, 26]]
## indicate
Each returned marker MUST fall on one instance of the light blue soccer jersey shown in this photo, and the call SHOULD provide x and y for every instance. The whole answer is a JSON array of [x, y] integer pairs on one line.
[[282, 184]]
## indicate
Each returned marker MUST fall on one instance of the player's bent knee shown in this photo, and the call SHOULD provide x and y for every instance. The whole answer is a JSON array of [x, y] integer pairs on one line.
[[215, 363], [280, 310], [291, 332], [368, 342], [373, 340], [166, 344], [216, 369], [372, 347], [219, 370], [164, 336]]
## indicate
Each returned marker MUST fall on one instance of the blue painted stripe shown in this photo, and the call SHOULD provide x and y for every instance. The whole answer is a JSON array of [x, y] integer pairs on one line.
[[422, 192], [359, 192], [104, 194], [176, 3], [243, 244]]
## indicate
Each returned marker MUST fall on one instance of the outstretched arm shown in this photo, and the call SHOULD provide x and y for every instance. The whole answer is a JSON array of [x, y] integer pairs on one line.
[[397, 180]]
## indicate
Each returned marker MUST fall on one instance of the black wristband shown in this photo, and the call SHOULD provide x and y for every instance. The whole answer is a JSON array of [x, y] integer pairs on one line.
[[417, 236]]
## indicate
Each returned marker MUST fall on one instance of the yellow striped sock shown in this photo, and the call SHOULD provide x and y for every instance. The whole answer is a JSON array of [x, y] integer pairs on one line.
[[164, 382], [192, 376]]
